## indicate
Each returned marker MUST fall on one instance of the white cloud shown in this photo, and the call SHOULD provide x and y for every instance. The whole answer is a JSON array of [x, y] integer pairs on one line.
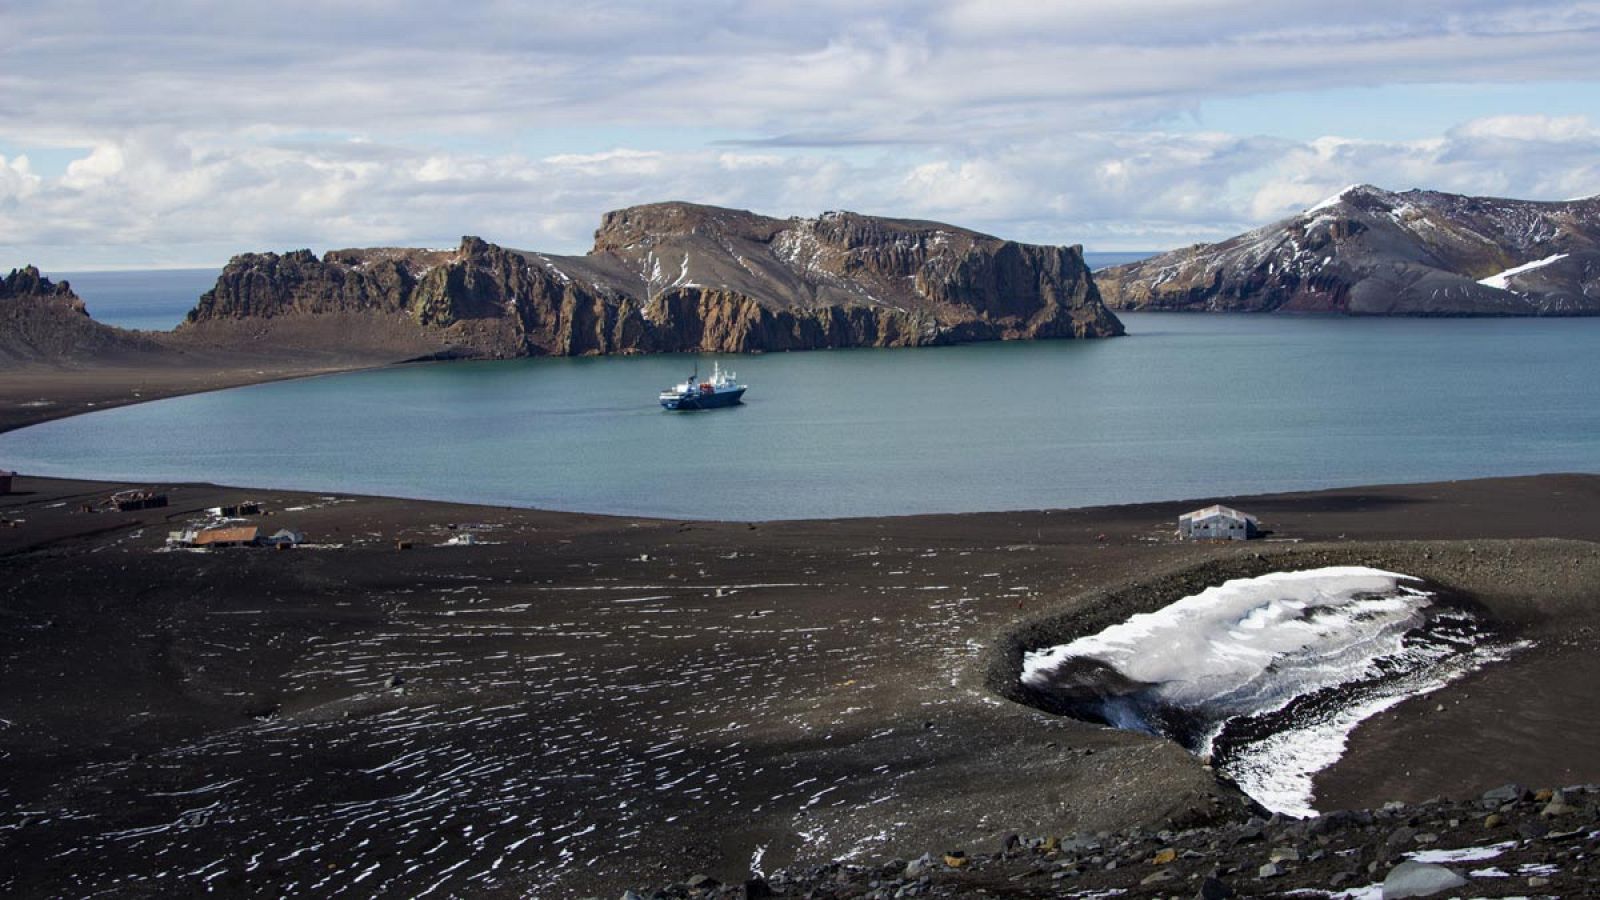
[[100, 166], [17, 179], [1531, 128], [217, 128], [213, 195]]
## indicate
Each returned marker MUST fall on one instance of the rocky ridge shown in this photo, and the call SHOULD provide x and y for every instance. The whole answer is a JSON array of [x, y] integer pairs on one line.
[[1368, 251], [1510, 841], [43, 321], [672, 277]]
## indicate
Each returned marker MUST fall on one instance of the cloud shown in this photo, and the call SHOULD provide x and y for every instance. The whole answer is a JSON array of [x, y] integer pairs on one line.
[[100, 166], [896, 69], [1531, 128], [210, 129], [205, 197], [17, 180]]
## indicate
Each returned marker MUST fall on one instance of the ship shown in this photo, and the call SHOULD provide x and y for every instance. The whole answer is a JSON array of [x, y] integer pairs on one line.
[[722, 389]]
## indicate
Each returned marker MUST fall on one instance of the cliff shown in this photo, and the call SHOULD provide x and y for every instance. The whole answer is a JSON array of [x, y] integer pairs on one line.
[[671, 277], [45, 322], [1367, 251]]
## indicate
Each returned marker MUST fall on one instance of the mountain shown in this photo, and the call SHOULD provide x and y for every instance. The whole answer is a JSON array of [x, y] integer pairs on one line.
[[668, 277], [1367, 251], [41, 321]]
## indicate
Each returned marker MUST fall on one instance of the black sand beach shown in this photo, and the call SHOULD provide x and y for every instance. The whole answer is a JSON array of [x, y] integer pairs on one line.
[[579, 704]]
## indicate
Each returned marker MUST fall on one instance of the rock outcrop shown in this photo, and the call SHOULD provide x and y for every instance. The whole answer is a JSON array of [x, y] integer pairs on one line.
[[45, 322], [1443, 848], [672, 277], [1367, 251]]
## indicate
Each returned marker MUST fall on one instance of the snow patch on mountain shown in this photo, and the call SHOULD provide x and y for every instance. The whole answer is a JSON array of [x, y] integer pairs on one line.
[[1334, 200], [1503, 280]]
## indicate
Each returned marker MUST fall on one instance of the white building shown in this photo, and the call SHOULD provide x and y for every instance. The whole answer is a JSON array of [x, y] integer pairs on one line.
[[1218, 523]]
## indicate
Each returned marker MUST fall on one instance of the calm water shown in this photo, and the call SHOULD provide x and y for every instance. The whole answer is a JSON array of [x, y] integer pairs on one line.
[[157, 300], [1187, 406], [154, 300]]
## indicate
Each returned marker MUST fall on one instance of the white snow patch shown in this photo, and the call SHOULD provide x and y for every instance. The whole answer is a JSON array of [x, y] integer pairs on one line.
[[1331, 201], [1503, 280], [1253, 647], [1225, 640], [1463, 854]]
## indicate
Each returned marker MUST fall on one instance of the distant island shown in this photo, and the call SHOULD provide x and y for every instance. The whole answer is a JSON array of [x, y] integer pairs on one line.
[[1368, 251], [670, 277]]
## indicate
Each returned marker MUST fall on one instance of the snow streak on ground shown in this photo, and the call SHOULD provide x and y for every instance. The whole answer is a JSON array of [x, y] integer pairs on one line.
[[483, 736]]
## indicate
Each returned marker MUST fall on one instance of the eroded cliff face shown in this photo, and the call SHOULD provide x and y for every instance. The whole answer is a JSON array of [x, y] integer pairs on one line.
[[678, 277], [1367, 251]]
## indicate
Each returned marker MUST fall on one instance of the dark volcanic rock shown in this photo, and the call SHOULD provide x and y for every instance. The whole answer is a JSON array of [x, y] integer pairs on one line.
[[675, 277], [1369, 251], [26, 282], [41, 321], [1200, 863]]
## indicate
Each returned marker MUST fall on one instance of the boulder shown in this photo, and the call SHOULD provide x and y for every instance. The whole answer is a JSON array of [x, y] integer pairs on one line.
[[1414, 879], [1508, 793], [918, 867]]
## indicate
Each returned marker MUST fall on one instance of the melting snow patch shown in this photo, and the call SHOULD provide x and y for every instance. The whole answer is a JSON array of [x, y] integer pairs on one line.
[[1332, 200], [1503, 280], [1464, 854], [1267, 676]]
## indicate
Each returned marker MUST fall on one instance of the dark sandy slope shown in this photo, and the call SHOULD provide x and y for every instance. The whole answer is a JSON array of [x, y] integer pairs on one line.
[[582, 704]]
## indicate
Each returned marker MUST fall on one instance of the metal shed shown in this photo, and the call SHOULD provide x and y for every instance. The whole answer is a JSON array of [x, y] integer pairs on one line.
[[1218, 523]]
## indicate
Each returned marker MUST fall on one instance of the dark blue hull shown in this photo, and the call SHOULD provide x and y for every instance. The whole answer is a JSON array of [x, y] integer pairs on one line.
[[703, 401]]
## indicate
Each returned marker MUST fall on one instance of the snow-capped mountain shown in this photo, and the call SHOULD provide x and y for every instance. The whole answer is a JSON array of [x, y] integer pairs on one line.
[[1368, 251]]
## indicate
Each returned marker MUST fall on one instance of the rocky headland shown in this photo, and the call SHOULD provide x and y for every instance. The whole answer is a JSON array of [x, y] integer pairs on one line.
[[44, 321], [56, 360], [1368, 251], [667, 277]]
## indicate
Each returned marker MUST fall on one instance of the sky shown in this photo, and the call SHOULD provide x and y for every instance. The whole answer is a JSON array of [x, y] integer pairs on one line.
[[143, 134]]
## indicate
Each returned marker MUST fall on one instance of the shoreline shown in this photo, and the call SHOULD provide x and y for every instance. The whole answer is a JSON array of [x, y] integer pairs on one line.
[[103, 394], [75, 392], [835, 675]]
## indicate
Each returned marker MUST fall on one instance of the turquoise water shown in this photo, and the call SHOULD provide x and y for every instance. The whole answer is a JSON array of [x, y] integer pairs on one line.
[[1186, 406]]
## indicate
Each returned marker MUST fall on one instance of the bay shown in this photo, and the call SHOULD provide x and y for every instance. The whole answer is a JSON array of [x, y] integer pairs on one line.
[[1185, 406]]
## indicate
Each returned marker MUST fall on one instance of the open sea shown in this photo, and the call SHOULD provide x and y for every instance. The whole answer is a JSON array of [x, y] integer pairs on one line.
[[153, 300]]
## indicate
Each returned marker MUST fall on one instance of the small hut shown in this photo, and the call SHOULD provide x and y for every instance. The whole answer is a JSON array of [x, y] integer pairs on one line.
[[133, 501], [286, 536], [1218, 523], [226, 536]]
